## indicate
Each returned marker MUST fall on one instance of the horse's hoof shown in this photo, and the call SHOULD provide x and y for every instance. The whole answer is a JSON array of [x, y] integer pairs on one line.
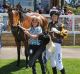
[[27, 66], [17, 65], [30, 65]]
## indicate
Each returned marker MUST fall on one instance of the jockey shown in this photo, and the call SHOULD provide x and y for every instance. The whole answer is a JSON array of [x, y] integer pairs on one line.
[[55, 27]]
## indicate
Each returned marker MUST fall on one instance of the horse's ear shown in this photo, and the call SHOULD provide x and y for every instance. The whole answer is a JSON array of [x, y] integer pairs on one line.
[[6, 6]]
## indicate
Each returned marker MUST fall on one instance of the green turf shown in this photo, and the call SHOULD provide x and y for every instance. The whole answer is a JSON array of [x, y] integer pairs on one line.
[[71, 46], [8, 66]]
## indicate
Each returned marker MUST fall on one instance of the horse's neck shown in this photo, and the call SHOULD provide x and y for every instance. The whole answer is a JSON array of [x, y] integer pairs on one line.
[[10, 16]]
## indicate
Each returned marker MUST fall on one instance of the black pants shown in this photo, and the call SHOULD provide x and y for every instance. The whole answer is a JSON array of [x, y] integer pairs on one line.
[[33, 49]]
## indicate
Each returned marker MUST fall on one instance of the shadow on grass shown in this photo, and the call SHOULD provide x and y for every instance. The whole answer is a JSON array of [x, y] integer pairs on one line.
[[11, 67]]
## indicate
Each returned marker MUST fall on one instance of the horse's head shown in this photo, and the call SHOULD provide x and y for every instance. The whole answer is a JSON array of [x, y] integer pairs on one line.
[[16, 17], [13, 16]]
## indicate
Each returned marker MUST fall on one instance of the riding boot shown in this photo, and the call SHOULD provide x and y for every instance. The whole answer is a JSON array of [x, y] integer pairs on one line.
[[44, 65], [54, 70], [62, 71], [33, 69], [43, 68]]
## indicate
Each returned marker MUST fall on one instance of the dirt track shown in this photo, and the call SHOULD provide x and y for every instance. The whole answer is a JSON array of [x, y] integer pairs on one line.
[[10, 53]]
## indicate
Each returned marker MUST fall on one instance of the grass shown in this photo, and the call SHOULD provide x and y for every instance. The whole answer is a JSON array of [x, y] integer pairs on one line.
[[8, 66], [71, 46]]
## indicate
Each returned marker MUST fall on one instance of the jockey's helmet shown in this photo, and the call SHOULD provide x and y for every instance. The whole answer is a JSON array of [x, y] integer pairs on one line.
[[54, 11]]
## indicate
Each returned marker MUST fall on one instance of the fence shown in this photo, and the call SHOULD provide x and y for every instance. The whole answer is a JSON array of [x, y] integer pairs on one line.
[[71, 23]]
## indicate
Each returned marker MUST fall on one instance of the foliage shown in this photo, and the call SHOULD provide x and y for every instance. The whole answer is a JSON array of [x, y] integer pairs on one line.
[[76, 11]]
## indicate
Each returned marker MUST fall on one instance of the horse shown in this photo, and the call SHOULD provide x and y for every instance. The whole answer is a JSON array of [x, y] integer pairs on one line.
[[19, 36], [15, 20]]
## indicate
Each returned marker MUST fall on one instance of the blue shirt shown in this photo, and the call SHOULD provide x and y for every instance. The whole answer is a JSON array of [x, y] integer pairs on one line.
[[35, 31]]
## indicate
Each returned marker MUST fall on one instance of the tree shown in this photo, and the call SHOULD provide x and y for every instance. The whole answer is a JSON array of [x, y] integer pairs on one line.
[[4, 2], [56, 3], [62, 4], [72, 3]]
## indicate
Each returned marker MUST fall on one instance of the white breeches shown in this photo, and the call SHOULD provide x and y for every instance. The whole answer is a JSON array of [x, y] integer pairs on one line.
[[55, 56]]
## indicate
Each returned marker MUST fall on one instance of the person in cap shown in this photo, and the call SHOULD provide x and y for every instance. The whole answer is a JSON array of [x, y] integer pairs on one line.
[[55, 28], [1, 26], [70, 12], [35, 43]]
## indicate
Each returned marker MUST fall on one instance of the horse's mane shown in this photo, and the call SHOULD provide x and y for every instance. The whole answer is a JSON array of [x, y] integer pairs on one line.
[[42, 19]]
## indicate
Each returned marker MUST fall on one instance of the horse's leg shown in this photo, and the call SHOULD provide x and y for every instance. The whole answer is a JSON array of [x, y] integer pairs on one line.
[[18, 43], [26, 54], [26, 49]]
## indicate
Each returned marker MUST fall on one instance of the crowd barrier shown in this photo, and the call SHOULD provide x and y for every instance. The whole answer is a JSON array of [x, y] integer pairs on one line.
[[71, 23]]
